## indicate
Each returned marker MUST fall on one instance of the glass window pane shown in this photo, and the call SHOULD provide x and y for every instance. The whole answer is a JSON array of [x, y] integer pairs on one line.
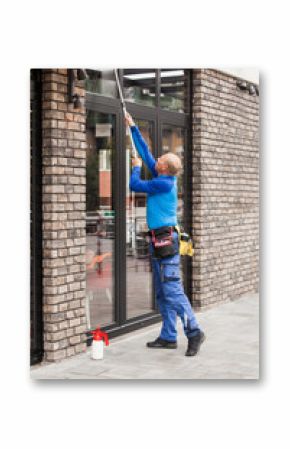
[[139, 282], [102, 82], [139, 86], [100, 219], [173, 141], [172, 91]]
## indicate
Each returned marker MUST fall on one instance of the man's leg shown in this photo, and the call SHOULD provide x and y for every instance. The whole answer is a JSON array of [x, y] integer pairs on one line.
[[174, 293], [168, 331]]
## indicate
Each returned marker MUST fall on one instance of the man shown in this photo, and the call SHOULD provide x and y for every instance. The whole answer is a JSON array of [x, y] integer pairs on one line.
[[162, 220]]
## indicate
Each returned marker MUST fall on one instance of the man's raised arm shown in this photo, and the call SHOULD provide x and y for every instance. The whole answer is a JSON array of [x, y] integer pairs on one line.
[[141, 146]]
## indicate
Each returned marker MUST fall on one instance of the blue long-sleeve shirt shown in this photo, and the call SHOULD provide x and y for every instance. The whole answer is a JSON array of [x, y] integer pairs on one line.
[[161, 190]]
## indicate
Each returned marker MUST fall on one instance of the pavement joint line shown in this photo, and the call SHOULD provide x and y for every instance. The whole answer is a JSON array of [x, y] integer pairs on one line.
[[148, 330], [80, 373], [133, 335], [139, 332]]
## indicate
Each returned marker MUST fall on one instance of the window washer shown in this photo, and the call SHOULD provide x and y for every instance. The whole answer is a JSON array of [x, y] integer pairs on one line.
[[164, 247]]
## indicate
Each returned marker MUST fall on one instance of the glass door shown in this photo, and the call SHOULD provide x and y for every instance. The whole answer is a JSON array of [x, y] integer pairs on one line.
[[119, 293], [173, 140], [100, 218], [119, 288], [139, 288]]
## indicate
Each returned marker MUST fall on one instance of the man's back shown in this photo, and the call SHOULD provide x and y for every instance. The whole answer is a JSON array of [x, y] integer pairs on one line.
[[161, 190], [162, 207]]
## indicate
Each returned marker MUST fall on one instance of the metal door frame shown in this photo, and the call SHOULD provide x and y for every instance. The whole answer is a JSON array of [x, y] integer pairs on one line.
[[121, 324], [116, 175], [158, 116], [36, 289]]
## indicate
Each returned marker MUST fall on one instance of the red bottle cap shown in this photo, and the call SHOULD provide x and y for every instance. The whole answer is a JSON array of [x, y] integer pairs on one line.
[[100, 335]]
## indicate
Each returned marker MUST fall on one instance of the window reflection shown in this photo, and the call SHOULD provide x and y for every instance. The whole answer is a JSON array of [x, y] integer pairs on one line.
[[102, 82], [139, 86], [173, 141], [139, 285], [172, 91], [100, 219]]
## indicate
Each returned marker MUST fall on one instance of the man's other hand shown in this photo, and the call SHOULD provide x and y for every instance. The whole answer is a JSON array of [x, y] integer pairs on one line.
[[136, 162], [128, 119]]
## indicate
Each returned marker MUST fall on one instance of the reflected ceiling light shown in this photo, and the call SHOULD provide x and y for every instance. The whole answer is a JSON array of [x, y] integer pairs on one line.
[[175, 84], [140, 76], [172, 73], [149, 75]]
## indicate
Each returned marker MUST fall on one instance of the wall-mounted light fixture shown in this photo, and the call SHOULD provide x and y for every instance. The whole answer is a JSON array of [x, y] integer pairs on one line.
[[82, 74], [73, 75], [250, 87], [252, 90], [242, 84]]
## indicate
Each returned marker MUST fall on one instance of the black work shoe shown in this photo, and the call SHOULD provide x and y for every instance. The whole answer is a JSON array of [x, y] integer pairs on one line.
[[194, 343], [160, 343]]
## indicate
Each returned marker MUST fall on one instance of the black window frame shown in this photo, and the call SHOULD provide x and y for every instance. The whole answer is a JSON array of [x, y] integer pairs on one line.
[[36, 272]]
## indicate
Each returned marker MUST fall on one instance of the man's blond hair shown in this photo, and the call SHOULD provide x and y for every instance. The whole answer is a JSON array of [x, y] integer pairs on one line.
[[174, 164]]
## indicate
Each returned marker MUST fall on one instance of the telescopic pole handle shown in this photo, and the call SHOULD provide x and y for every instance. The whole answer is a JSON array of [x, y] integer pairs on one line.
[[134, 152]]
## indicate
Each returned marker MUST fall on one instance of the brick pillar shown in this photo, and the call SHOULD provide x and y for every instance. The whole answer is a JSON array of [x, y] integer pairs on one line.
[[225, 189], [64, 203], [196, 190]]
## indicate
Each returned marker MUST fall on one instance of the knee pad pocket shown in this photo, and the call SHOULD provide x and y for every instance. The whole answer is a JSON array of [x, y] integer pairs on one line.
[[170, 272]]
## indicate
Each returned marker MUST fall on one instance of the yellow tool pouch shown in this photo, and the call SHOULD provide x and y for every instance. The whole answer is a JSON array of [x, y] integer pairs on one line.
[[185, 243]]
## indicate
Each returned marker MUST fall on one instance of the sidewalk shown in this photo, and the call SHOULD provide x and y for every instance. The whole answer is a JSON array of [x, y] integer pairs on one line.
[[230, 351]]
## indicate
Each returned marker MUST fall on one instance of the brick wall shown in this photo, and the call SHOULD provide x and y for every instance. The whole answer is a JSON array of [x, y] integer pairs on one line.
[[64, 178], [225, 189]]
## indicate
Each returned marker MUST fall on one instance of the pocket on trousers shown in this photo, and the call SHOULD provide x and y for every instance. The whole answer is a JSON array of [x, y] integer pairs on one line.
[[170, 272]]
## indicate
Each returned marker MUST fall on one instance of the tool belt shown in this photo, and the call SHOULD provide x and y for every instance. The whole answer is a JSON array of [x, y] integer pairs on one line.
[[162, 241]]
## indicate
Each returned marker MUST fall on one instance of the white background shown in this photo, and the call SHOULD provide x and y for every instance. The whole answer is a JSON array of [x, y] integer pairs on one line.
[[138, 34]]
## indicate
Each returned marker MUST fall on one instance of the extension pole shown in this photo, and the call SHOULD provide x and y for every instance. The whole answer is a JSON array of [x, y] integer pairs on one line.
[[134, 154]]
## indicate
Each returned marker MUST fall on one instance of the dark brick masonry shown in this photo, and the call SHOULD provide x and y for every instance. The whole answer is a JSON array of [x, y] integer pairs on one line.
[[64, 203], [225, 189]]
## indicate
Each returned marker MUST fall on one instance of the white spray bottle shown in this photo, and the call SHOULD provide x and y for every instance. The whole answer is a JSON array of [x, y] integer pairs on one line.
[[98, 344]]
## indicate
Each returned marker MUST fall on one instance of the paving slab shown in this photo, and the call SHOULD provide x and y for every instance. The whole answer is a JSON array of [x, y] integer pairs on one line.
[[230, 351]]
